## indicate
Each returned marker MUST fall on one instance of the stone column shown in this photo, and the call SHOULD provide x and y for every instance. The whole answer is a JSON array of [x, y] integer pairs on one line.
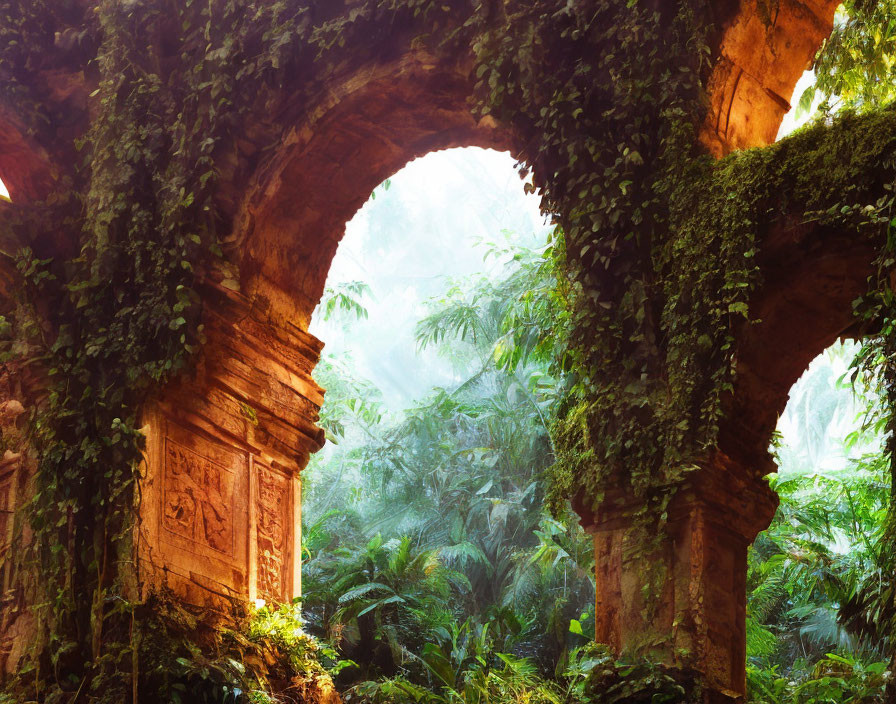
[[684, 602], [221, 498], [20, 386]]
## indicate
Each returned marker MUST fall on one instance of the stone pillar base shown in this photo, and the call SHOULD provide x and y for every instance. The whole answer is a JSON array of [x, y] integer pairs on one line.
[[677, 593], [220, 515]]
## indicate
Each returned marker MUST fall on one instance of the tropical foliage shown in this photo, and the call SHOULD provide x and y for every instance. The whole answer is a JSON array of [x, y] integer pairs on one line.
[[430, 560], [856, 66], [812, 635]]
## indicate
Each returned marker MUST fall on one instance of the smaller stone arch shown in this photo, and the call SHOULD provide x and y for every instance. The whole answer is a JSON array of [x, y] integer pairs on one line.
[[811, 277]]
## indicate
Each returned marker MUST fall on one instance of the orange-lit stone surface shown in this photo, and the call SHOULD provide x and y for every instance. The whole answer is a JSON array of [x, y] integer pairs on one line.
[[222, 497], [764, 50], [699, 571]]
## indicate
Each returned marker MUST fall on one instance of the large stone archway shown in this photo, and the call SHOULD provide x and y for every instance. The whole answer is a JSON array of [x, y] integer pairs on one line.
[[222, 492], [248, 415]]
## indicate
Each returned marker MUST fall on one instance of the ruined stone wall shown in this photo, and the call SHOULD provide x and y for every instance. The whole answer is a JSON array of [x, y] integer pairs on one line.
[[763, 51]]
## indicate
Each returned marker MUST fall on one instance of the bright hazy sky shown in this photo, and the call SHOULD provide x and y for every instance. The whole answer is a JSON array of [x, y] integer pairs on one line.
[[407, 243]]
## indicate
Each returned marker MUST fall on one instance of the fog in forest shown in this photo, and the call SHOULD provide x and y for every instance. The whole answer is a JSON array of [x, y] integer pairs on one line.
[[429, 226]]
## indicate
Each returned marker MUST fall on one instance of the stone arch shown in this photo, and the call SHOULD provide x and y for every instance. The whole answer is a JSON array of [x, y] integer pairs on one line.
[[376, 118], [245, 420], [369, 125]]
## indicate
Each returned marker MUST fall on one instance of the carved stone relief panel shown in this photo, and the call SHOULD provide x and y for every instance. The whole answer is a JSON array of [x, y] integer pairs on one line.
[[204, 517], [8, 475], [198, 498], [274, 533]]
